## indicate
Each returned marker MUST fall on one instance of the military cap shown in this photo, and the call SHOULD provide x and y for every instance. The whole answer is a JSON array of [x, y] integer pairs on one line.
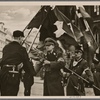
[[18, 33], [50, 41], [79, 49]]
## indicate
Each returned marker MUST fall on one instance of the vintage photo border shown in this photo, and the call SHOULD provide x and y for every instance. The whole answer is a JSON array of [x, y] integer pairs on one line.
[[56, 2]]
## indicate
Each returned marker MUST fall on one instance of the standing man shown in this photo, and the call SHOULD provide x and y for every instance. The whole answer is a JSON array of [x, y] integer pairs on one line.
[[14, 58], [75, 85], [52, 64]]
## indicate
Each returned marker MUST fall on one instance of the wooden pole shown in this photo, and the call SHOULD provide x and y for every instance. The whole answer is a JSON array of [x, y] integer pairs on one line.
[[29, 31], [38, 32], [27, 36], [82, 78], [34, 39]]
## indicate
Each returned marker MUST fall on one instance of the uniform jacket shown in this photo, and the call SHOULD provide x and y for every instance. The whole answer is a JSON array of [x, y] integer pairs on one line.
[[96, 74], [78, 66], [52, 79], [14, 54], [75, 85]]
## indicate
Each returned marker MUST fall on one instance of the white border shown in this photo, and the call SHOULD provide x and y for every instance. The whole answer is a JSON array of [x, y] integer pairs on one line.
[[27, 3]]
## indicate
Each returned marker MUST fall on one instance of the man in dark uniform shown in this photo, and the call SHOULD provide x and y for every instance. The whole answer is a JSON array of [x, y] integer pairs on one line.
[[75, 85], [28, 80], [52, 64], [14, 58]]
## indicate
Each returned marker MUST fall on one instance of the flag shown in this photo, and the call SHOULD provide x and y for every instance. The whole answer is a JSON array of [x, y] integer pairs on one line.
[[68, 11], [86, 16], [73, 34], [39, 17], [77, 32], [46, 17], [85, 23], [48, 27], [61, 17]]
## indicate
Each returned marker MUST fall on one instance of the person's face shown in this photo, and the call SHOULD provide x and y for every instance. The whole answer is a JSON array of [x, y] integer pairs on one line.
[[21, 40], [78, 54], [72, 48], [49, 47]]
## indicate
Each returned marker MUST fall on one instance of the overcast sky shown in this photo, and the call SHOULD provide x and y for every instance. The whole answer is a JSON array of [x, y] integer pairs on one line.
[[17, 16]]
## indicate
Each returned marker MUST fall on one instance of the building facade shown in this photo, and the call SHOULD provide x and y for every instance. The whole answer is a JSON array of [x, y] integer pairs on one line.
[[2, 41], [5, 37]]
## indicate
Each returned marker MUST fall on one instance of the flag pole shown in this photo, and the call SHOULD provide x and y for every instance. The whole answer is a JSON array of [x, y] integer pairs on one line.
[[27, 36], [87, 25], [37, 33], [31, 20], [83, 78], [30, 30], [25, 27], [34, 40]]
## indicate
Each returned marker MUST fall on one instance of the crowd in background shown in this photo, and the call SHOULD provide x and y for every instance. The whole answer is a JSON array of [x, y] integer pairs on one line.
[[58, 66]]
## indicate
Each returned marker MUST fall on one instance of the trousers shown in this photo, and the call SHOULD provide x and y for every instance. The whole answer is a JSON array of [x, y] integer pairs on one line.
[[9, 82], [28, 81]]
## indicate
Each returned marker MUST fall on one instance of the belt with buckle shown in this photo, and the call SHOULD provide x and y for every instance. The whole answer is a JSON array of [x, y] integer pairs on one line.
[[9, 66], [12, 68]]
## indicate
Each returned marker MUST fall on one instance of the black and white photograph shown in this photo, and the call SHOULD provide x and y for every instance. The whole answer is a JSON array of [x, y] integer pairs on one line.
[[49, 49]]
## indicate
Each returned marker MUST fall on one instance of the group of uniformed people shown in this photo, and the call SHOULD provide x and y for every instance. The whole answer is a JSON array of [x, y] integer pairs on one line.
[[16, 65]]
